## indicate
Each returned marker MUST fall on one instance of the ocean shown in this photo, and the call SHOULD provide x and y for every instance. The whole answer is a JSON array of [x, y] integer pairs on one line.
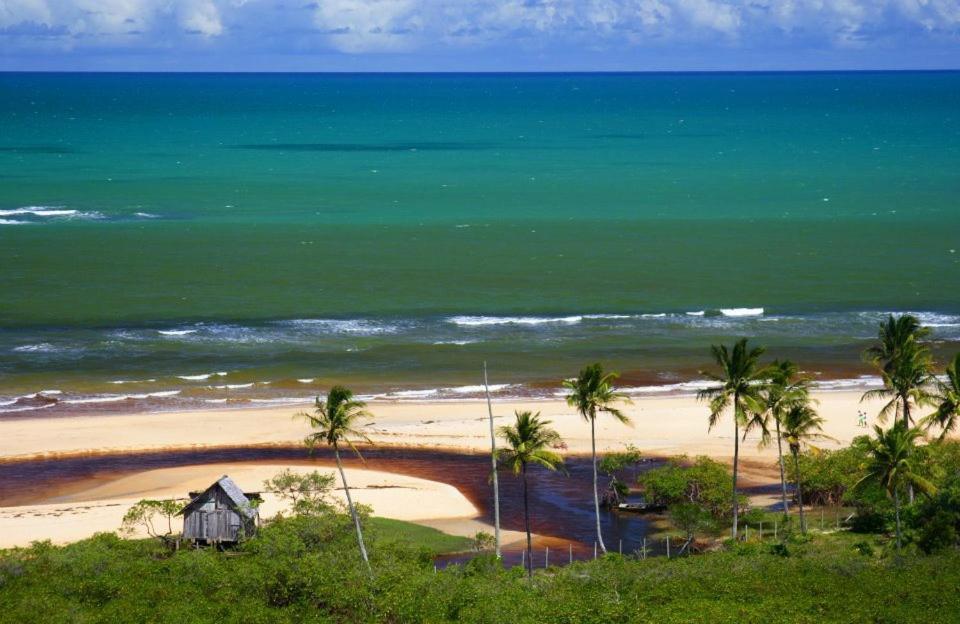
[[204, 239]]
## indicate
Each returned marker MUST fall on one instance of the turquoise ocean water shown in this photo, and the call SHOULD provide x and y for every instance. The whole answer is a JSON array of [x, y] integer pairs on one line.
[[394, 231]]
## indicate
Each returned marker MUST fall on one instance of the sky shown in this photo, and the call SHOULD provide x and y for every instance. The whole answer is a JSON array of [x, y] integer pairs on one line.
[[478, 35]]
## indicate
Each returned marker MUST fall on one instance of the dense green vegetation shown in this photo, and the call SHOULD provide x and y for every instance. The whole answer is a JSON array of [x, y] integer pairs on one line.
[[307, 569]]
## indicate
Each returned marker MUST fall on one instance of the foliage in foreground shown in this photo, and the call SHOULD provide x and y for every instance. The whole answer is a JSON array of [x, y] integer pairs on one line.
[[307, 569]]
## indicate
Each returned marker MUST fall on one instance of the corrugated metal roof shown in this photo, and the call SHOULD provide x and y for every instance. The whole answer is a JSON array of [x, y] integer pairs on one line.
[[233, 492]]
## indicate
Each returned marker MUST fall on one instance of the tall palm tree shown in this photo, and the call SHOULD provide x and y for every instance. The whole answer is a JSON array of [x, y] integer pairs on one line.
[[529, 441], [800, 424], [904, 364], [782, 391], [892, 466], [592, 393], [741, 380], [947, 400], [335, 420]]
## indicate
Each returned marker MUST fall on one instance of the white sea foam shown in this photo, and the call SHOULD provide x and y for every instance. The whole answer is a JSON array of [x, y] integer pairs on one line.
[[741, 311], [176, 332], [11, 222], [114, 398], [43, 347], [50, 212], [455, 342], [863, 381], [130, 381], [233, 386], [146, 215], [478, 389], [196, 377], [697, 313], [480, 321], [611, 317], [660, 315], [25, 408], [306, 380], [343, 326], [281, 400], [680, 387]]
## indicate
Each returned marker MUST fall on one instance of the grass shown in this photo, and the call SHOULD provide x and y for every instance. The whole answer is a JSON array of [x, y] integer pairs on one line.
[[307, 569], [417, 536]]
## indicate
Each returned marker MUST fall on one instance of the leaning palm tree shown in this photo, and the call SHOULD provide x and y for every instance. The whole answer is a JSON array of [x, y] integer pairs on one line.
[[741, 380], [892, 464], [904, 364], [529, 441], [800, 425], [782, 391], [335, 422], [591, 393], [947, 400]]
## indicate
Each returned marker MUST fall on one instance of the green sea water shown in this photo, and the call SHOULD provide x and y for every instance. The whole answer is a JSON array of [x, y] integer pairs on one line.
[[394, 231]]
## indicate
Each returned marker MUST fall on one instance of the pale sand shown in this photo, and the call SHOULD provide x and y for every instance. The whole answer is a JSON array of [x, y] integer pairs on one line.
[[101, 508], [661, 426]]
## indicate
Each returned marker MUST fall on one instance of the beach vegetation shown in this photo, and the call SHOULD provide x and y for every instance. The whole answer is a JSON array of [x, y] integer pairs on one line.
[[335, 421], [155, 517], [592, 393], [784, 389], [905, 366], [304, 493], [946, 399], [892, 464], [530, 440], [614, 465], [741, 379], [800, 425], [703, 482]]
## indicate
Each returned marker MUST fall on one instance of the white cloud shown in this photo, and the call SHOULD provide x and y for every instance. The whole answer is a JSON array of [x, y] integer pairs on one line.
[[383, 26]]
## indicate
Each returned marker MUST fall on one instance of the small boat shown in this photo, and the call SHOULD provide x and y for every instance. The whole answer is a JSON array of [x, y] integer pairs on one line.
[[641, 507]]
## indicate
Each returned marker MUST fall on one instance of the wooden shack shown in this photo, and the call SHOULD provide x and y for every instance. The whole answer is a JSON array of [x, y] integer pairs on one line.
[[221, 514]]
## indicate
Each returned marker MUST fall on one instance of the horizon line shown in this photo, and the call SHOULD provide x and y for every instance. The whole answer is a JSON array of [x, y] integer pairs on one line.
[[486, 72]]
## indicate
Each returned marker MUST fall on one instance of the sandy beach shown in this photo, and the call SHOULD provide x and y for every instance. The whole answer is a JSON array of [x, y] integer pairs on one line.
[[660, 427]]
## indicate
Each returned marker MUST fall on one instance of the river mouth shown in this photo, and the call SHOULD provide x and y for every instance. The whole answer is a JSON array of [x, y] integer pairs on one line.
[[561, 504]]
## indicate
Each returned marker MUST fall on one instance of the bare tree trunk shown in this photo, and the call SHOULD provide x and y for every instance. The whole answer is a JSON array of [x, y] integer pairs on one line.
[[596, 496], [353, 511], [906, 423], [526, 523], [783, 478], [796, 467], [736, 458], [896, 504], [493, 464]]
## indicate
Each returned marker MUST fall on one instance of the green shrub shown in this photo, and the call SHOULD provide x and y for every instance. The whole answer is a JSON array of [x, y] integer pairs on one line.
[[705, 482]]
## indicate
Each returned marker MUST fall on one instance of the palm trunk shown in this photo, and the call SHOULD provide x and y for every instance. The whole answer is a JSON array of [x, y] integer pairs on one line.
[[906, 423], [783, 478], [526, 523], [596, 495], [493, 463], [736, 458], [896, 504], [353, 512], [796, 468]]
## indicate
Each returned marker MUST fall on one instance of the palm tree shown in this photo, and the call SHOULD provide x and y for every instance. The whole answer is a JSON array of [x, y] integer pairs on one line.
[[800, 424], [528, 442], [591, 393], [335, 423], [892, 466], [947, 400], [741, 380], [783, 390], [904, 364]]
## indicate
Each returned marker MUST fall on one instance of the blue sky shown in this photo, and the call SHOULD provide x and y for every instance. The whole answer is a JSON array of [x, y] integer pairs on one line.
[[478, 35]]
